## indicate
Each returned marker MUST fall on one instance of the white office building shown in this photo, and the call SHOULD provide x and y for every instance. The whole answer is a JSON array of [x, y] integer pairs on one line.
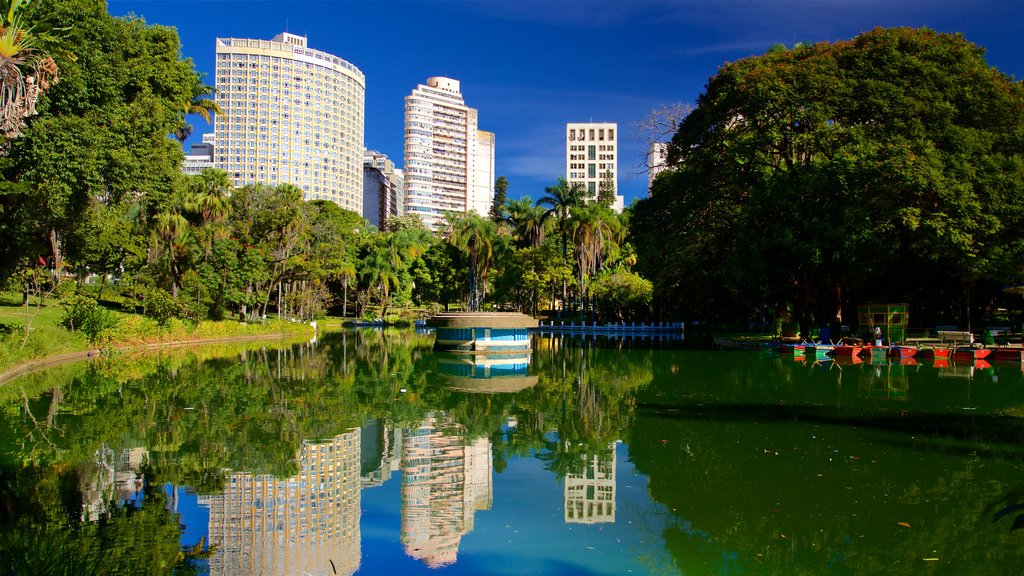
[[291, 115], [592, 157], [657, 162], [449, 161], [200, 156]]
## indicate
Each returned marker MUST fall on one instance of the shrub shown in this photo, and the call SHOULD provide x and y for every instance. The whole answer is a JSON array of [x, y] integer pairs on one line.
[[83, 314], [161, 306]]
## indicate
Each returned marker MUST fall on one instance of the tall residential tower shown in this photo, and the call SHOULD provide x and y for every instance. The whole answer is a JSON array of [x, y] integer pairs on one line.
[[449, 162], [592, 157], [291, 115]]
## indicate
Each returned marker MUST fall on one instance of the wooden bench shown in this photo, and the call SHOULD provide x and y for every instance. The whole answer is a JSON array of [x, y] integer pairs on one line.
[[956, 337]]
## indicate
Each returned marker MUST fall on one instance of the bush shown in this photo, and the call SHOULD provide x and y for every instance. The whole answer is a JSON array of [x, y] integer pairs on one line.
[[83, 314], [66, 289], [162, 307]]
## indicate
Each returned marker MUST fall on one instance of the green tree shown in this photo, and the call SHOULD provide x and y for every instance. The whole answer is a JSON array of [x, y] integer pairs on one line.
[[606, 189], [497, 213], [887, 167], [101, 134], [474, 235], [529, 221]]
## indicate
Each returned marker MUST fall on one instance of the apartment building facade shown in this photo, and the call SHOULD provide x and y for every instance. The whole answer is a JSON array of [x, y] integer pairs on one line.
[[291, 115], [449, 161]]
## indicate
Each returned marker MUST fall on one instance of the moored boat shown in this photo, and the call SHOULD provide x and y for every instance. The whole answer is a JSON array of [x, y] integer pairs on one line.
[[846, 351], [933, 352], [967, 353], [875, 351], [819, 351], [1008, 355], [903, 351]]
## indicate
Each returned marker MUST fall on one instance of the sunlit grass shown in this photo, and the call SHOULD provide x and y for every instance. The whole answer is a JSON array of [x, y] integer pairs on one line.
[[47, 338]]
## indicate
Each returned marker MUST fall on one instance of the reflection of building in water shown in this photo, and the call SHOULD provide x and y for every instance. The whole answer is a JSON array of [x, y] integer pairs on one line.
[[486, 373], [306, 524], [443, 484], [590, 496], [380, 453], [113, 478]]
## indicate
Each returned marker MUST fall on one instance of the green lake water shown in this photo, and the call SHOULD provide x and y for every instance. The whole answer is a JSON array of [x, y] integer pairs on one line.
[[366, 452]]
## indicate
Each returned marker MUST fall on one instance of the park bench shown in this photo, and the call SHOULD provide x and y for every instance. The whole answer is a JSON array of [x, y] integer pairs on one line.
[[956, 337]]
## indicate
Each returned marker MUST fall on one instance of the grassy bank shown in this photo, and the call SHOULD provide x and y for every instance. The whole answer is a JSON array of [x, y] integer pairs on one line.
[[45, 337]]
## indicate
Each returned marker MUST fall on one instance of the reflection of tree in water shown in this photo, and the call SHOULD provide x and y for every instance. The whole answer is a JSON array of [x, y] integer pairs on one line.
[[588, 392], [42, 531]]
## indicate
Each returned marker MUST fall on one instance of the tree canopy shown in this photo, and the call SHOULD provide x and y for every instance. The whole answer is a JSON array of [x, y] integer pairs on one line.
[[887, 167]]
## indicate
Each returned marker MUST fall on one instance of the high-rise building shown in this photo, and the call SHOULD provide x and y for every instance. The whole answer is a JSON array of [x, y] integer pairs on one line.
[[657, 162], [449, 162], [383, 188], [291, 115], [592, 157]]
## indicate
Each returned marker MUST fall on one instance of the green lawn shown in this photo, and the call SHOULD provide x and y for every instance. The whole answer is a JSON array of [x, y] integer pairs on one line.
[[46, 337]]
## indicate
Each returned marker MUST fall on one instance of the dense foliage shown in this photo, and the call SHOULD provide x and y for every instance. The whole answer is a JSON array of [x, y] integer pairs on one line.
[[808, 181]]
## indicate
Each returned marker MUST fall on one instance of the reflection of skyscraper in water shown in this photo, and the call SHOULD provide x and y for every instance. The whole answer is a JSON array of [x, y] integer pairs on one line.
[[381, 452], [306, 524], [113, 477], [444, 482], [590, 496]]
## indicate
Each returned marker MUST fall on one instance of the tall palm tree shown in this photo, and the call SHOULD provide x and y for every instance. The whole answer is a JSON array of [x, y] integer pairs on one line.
[[170, 231], [560, 200], [381, 271], [346, 271], [473, 235], [596, 234], [27, 68]]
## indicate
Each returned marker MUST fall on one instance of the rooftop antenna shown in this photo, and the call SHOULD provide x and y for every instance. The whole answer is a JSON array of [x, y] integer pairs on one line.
[[286, 24]]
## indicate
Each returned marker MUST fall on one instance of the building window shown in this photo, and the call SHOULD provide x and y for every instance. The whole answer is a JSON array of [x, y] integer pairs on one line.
[[592, 187], [592, 171], [591, 152]]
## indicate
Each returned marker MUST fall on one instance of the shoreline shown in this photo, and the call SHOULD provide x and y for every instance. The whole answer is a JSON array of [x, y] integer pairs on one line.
[[31, 366]]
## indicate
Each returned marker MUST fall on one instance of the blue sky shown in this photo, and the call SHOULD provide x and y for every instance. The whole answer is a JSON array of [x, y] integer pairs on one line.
[[530, 67]]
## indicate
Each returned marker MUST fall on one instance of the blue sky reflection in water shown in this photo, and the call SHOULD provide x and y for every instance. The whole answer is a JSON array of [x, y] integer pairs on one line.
[[523, 533], [724, 462]]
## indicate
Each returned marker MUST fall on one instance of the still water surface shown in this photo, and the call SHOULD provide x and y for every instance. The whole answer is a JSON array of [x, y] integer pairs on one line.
[[368, 453]]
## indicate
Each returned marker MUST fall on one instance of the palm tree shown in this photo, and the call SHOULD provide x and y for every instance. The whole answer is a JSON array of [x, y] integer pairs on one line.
[[595, 231], [170, 231], [346, 271], [473, 235], [381, 272], [561, 199], [26, 67], [529, 220], [210, 195], [200, 105]]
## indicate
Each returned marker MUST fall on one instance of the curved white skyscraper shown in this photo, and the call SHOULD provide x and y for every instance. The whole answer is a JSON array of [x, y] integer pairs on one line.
[[449, 162], [291, 115]]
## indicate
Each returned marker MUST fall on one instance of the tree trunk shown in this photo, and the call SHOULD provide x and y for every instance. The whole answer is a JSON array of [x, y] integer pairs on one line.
[[344, 301]]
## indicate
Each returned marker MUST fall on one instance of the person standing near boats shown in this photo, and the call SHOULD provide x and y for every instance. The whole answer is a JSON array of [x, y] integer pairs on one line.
[[878, 336]]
